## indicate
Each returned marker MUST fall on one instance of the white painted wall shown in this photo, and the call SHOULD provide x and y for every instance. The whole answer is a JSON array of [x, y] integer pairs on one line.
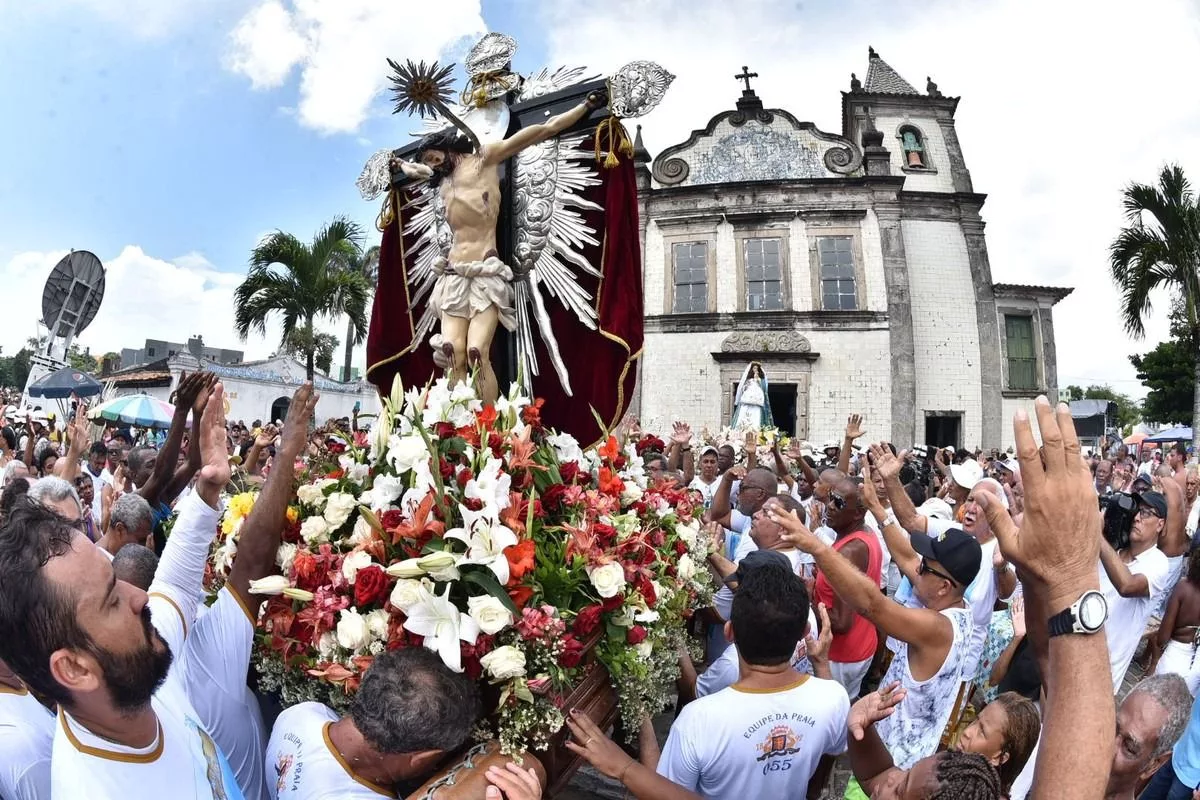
[[945, 330], [935, 150]]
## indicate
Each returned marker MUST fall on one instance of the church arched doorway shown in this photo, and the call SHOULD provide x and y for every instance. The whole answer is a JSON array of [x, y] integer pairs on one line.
[[279, 408]]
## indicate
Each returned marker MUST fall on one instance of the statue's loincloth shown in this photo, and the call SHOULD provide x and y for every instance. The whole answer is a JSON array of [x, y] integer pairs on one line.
[[465, 289]]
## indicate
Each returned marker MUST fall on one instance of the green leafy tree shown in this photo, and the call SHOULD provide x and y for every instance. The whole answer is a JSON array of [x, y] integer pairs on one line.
[[1169, 372], [323, 345], [302, 282], [1160, 248], [367, 265]]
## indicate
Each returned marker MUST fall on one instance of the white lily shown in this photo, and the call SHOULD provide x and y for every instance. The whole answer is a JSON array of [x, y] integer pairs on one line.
[[490, 486], [441, 566], [270, 585], [443, 626], [485, 539]]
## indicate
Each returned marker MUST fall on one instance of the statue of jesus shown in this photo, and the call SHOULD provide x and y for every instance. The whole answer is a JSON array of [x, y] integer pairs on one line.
[[473, 291]]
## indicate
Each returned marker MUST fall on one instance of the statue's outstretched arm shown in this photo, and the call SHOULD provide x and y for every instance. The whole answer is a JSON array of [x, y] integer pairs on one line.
[[498, 152]]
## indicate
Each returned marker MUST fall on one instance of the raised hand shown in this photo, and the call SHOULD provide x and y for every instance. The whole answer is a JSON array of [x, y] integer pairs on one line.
[[682, 434], [1059, 540], [882, 461], [295, 427], [202, 395], [1017, 612], [750, 443], [854, 427], [716, 537], [870, 497], [818, 647], [874, 707], [216, 470], [266, 436], [79, 431], [191, 385]]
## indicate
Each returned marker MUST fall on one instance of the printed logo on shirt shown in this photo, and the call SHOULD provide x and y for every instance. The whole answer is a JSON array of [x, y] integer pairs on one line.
[[281, 770], [780, 741], [217, 774]]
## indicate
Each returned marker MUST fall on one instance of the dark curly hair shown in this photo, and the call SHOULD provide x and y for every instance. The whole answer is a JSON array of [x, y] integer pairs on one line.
[[448, 140], [410, 701], [965, 776]]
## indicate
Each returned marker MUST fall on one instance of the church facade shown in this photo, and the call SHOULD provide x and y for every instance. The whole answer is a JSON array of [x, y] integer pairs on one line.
[[852, 266]]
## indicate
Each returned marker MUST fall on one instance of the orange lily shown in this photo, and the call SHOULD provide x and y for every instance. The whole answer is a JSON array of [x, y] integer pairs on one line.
[[422, 527]]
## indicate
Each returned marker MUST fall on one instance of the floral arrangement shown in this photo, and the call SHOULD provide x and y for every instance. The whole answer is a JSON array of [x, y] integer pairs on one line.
[[736, 438], [476, 532]]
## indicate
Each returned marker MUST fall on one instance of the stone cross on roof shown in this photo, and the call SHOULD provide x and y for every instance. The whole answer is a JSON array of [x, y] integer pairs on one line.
[[746, 75]]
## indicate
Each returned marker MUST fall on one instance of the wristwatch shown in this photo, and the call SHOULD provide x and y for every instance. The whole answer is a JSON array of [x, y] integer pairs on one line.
[[1085, 615]]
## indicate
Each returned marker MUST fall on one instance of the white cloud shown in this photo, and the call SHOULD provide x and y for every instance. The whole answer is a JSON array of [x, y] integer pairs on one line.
[[144, 298], [1059, 111], [340, 47]]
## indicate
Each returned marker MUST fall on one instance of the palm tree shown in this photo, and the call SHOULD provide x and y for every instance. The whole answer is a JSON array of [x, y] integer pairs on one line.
[[1160, 247], [313, 282], [367, 265]]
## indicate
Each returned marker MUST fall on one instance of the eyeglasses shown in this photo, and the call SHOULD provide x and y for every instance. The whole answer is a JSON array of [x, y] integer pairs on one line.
[[925, 569], [1147, 511], [837, 501]]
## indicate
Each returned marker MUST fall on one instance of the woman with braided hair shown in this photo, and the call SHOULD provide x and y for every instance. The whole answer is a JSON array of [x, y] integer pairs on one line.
[[1005, 733], [951, 775]]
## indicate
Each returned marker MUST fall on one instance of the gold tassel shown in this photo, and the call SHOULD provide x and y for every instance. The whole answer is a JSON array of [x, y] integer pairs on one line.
[[387, 214], [612, 133]]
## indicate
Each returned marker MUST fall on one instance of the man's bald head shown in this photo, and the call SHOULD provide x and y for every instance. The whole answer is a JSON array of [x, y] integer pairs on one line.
[[757, 486]]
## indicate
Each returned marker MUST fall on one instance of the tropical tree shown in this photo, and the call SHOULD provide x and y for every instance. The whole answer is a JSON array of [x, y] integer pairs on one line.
[[301, 282], [367, 265], [1160, 248], [302, 339]]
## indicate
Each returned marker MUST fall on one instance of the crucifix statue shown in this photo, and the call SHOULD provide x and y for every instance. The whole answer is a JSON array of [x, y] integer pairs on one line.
[[746, 75]]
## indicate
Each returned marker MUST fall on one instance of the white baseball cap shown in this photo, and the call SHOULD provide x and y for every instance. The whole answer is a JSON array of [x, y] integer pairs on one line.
[[967, 474], [937, 508]]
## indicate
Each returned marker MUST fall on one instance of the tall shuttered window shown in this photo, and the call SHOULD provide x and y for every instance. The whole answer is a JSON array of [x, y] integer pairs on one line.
[[764, 274], [691, 277], [836, 261], [1022, 357]]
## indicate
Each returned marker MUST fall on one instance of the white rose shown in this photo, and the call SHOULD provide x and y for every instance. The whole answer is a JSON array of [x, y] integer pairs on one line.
[[352, 563], [504, 663], [646, 616], [223, 560], [285, 555], [686, 567], [377, 623], [352, 632], [327, 644], [338, 508], [609, 579], [313, 494], [407, 593], [688, 534], [314, 530], [644, 649], [489, 613], [566, 447], [385, 490], [405, 452], [631, 494]]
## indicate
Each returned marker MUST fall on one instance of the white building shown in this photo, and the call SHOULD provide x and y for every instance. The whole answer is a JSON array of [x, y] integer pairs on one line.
[[258, 390], [852, 265]]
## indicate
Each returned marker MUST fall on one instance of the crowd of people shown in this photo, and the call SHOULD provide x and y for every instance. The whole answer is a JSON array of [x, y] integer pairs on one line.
[[953, 625]]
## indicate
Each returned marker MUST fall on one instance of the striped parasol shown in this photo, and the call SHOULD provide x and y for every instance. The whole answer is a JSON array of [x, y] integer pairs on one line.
[[141, 410]]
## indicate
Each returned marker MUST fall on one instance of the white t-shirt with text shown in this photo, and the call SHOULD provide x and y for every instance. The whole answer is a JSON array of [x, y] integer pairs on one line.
[[26, 741], [739, 744], [302, 763]]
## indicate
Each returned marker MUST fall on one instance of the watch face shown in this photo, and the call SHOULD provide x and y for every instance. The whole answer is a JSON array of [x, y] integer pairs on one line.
[[1092, 610]]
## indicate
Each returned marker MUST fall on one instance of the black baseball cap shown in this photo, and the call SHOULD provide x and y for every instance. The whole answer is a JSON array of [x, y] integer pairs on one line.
[[1153, 499], [758, 559], [956, 551]]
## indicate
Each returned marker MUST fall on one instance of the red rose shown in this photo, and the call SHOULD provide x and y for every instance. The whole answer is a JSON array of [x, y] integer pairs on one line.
[[572, 652], [569, 471], [587, 619], [613, 603], [635, 635], [391, 519], [554, 496], [495, 442], [370, 586], [680, 547], [444, 430], [643, 585], [463, 476], [472, 503], [446, 469], [607, 534]]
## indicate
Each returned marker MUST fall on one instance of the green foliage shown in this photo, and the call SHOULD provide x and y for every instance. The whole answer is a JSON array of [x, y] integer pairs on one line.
[[301, 340], [1169, 371], [301, 282], [14, 370]]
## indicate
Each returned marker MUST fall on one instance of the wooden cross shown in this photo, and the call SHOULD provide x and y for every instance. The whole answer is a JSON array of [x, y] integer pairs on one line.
[[746, 76]]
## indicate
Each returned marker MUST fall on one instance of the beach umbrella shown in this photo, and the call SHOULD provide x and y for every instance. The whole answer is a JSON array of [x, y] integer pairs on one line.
[[1181, 434], [141, 410], [63, 383]]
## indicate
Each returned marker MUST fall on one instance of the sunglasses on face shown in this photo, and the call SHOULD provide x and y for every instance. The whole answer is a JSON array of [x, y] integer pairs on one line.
[[925, 569], [837, 501]]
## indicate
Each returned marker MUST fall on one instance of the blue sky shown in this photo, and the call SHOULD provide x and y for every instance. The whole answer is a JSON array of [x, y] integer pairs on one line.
[[168, 136]]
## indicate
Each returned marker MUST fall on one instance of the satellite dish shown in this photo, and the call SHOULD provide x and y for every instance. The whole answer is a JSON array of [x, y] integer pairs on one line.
[[72, 295]]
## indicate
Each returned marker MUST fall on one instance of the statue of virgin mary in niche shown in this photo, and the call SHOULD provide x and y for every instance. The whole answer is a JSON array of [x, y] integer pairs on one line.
[[751, 411]]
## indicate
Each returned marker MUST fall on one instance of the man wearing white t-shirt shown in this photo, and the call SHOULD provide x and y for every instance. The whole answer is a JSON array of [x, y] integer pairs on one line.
[[767, 735], [26, 740], [410, 711], [100, 477], [1133, 582], [708, 480], [103, 649]]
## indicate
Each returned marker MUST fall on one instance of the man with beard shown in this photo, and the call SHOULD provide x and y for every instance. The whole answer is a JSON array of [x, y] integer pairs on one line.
[[102, 649]]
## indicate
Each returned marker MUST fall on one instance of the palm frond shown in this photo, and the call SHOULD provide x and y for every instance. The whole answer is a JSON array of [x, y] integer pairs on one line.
[[283, 249]]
